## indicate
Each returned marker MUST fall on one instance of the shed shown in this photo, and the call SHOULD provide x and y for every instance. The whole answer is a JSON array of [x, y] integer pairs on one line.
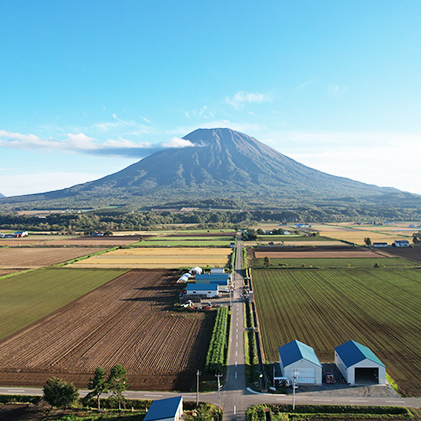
[[401, 243], [203, 290], [196, 269], [298, 356], [359, 365], [217, 270], [170, 409], [215, 277]]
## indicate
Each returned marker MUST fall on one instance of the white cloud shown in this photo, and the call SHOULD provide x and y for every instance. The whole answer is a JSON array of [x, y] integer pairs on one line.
[[81, 143], [336, 89], [383, 159], [24, 183], [242, 97], [176, 142]]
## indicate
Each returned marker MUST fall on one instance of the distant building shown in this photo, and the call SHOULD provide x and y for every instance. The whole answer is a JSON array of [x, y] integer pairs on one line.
[[20, 234], [359, 365], [215, 271], [380, 245], [170, 409], [401, 243], [299, 358]]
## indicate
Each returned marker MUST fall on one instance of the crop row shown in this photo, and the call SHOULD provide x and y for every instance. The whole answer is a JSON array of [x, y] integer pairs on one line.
[[324, 308], [215, 358]]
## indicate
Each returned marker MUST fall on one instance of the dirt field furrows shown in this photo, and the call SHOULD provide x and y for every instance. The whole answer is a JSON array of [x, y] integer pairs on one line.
[[29, 258], [411, 253], [125, 321]]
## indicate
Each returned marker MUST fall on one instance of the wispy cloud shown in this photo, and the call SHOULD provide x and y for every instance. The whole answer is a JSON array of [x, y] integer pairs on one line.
[[242, 97], [81, 143], [306, 84], [336, 89]]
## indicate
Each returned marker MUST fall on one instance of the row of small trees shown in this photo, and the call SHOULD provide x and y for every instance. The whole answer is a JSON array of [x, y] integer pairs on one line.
[[61, 394], [215, 357]]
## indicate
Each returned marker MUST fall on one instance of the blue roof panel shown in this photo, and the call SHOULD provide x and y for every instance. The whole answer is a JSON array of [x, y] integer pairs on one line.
[[352, 352], [202, 287], [295, 351], [164, 408]]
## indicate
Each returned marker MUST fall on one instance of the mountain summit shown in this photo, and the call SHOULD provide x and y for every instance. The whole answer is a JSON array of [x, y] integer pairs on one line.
[[221, 163]]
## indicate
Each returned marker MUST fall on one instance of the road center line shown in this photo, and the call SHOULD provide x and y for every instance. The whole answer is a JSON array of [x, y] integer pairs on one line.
[[236, 363], [16, 390], [154, 396], [235, 409], [235, 374]]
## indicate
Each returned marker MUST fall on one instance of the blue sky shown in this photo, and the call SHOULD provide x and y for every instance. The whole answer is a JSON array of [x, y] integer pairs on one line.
[[88, 87]]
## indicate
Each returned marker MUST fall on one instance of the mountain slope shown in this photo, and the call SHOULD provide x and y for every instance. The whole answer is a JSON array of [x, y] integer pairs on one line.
[[222, 164]]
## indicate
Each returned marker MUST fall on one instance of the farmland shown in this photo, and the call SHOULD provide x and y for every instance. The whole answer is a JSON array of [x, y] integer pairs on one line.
[[27, 297], [314, 252], [337, 263], [29, 258], [68, 241], [128, 321], [158, 258], [324, 308]]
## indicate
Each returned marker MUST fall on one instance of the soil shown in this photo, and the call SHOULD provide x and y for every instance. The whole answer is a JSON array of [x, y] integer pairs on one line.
[[127, 321], [29, 258]]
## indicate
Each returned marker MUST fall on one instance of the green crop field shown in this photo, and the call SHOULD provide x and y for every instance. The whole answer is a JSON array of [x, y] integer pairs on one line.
[[337, 263], [291, 237], [174, 242], [379, 308], [27, 297]]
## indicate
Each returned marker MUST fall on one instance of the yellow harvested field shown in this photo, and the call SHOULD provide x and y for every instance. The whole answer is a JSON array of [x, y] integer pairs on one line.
[[166, 258], [358, 236]]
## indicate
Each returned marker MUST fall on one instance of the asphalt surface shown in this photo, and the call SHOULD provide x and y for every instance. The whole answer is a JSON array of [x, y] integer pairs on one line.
[[234, 397]]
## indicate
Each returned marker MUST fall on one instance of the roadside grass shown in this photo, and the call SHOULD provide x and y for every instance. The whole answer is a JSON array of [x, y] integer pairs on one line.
[[27, 297], [328, 412]]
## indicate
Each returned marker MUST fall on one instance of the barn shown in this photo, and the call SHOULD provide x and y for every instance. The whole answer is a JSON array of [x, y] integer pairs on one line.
[[359, 365], [202, 290], [170, 409], [301, 359]]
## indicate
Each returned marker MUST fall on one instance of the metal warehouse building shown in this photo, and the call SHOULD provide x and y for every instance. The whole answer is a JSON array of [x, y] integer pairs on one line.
[[203, 290], [359, 365], [170, 409], [301, 358]]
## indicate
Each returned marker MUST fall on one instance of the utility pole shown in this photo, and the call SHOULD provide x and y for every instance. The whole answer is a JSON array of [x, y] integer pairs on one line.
[[197, 387], [218, 376], [296, 373]]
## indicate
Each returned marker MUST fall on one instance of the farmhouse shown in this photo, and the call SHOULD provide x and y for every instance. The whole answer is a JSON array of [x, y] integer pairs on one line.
[[202, 290], [359, 365], [401, 243], [301, 359], [170, 409]]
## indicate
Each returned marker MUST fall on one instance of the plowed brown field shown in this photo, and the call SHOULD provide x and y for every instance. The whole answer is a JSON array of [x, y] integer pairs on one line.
[[125, 321], [311, 252], [29, 258], [55, 240]]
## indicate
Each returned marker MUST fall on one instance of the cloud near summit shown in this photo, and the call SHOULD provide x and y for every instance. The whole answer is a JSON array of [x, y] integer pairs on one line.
[[81, 143]]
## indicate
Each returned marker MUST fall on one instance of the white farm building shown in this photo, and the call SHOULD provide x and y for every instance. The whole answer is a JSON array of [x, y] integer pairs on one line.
[[359, 365], [301, 359]]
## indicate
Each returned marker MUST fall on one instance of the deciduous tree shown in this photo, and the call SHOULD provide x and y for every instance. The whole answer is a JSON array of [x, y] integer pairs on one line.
[[117, 383], [59, 393], [98, 385]]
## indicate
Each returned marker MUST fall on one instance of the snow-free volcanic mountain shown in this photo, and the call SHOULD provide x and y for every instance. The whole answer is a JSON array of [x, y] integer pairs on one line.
[[221, 163]]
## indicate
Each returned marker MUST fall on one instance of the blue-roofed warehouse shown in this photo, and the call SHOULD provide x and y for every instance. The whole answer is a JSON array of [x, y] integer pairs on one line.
[[170, 409], [359, 365], [203, 290], [299, 357]]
